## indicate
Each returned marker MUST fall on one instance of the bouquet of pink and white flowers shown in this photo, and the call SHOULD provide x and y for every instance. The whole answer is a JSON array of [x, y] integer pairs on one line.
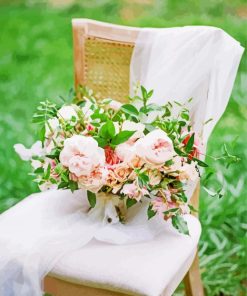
[[133, 151]]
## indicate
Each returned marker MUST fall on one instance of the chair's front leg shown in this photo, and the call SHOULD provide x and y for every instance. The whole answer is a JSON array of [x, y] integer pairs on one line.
[[192, 281]]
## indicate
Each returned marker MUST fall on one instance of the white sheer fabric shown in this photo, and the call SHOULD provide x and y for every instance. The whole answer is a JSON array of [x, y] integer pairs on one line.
[[178, 63], [188, 62]]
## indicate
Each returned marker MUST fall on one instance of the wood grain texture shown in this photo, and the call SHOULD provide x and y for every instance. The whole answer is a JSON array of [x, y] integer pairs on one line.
[[78, 45], [57, 287], [192, 281]]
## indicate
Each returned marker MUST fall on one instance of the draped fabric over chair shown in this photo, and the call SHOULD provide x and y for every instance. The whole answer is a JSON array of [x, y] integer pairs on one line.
[[50, 232]]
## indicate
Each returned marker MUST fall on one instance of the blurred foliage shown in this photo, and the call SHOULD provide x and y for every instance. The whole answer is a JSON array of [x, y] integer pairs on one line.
[[36, 62]]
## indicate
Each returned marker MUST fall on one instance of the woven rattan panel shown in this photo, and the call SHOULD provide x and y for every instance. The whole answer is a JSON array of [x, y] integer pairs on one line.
[[107, 68]]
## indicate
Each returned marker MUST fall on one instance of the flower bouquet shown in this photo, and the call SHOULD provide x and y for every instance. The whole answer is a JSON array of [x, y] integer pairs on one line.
[[132, 152]]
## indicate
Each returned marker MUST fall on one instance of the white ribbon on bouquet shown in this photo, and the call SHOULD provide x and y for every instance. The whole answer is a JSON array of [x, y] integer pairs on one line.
[[178, 63]]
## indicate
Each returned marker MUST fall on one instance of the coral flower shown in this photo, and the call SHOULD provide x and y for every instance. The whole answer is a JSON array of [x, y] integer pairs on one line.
[[195, 151], [110, 156]]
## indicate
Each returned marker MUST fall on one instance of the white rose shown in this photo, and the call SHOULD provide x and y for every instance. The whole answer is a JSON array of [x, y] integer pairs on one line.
[[81, 155], [132, 126], [68, 112], [51, 126], [155, 148]]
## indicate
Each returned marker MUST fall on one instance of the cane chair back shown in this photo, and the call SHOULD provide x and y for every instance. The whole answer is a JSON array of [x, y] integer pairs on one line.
[[102, 57]]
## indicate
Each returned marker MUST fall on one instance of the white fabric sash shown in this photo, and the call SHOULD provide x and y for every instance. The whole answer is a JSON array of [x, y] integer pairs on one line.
[[178, 63]]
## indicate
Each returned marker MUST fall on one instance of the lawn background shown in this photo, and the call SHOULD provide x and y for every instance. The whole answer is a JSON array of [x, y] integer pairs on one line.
[[36, 62]]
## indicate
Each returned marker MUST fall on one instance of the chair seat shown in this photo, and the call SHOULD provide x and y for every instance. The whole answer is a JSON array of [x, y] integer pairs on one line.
[[152, 268]]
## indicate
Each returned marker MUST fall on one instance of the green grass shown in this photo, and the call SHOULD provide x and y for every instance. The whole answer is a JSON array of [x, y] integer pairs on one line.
[[36, 62]]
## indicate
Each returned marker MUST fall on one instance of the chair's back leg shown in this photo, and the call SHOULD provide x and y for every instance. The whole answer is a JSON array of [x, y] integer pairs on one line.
[[192, 281]]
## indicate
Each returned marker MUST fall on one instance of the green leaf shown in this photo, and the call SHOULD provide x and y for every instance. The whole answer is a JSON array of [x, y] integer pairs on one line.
[[59, 168], [64, 177], [44, 111], [54, 154], [182, 196], [179, 152], [144, 93], [151, 212], [73, 185], [63, 185], [91, 198], [192, 209], [42, 134], [206, 122], [48, 172], [185, 116], [39, 170], [212, 193], [228, 158], [190, 143], [122, 137], [97, 115], [174, 210], [130, 109], [143, 179], [177, 103], [167, 111], [200, 163], [150, 93], [180, 224], [107, 131], [169, 162], [101, 142], [130, 202]]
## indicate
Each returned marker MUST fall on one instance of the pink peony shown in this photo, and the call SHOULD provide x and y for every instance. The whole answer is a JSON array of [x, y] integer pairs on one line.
[[125, 152], [155, 148], [95, 180], [81, 155]]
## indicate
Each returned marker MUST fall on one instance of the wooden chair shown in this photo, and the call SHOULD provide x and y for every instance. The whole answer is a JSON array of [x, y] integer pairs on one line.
[[102, 54]]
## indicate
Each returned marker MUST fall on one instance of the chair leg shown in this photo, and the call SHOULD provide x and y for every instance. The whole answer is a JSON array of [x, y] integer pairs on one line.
[[192, 281]]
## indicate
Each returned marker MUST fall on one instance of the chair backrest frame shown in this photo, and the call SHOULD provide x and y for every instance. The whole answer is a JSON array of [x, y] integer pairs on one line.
[[85, 28]]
